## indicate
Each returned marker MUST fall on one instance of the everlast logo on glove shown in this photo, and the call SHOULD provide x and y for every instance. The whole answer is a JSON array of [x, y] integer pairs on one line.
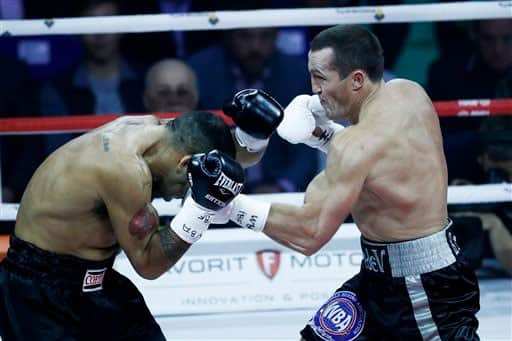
[[224, 182], [215, 179]]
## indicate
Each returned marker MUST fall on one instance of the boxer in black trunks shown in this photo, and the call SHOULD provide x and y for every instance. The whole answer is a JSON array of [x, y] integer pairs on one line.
[[388, 170], [91, 198]]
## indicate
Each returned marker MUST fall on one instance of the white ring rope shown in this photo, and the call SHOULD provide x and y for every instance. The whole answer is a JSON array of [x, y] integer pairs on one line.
[[469, 194], [221, 20], [274, 18]]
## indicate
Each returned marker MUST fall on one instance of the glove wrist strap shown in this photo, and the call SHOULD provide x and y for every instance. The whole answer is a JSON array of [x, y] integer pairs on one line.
[[250, 213], [191, 221], [250, 143]]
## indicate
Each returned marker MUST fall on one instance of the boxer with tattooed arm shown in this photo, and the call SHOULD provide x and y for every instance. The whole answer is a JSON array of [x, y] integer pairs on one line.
[[92, 198]]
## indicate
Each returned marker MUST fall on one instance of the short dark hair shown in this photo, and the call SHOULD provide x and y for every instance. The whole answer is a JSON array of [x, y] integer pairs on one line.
[[354, 48], [200, 132]]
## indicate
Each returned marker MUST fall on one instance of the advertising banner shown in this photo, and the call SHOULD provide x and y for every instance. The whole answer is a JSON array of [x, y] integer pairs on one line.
[[232, 270]]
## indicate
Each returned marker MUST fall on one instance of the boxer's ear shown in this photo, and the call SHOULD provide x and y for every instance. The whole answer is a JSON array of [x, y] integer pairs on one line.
[[183, 163], [358, 78]]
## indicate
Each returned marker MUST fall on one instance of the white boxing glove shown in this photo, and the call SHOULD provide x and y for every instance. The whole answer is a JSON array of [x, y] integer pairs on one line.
[[305, 121]]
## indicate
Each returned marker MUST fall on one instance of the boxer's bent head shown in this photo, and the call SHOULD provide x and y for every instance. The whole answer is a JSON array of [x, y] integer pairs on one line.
[[200, 132], [354, 48], [191, 133]]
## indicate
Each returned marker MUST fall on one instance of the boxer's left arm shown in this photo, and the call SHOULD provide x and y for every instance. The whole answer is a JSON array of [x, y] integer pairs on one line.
[[214, 178], [245, 157], [256, 115], [127, 195]]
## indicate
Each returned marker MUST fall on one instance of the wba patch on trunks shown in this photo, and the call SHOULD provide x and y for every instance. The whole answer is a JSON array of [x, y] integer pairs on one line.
[[93, 280], [340, 318]]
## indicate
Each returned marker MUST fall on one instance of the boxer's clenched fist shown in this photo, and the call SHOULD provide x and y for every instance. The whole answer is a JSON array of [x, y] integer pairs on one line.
[[256, 115], [305, 121], [215, 180]]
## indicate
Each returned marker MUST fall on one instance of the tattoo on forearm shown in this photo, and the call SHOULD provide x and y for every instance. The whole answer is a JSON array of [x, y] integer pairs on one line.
[[173, 246]]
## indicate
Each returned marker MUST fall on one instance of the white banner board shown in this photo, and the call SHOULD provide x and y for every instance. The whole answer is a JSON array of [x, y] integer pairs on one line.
[[233, 270]]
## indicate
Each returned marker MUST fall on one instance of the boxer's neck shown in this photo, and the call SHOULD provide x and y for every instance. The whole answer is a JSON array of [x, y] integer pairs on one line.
[[368, 95]]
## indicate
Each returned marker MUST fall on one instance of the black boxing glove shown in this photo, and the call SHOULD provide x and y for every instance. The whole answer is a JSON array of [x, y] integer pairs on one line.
[[256, 115], [215, 180]]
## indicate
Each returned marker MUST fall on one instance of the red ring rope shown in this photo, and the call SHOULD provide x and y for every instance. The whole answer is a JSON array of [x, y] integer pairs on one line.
[[27, 125], [31, 125]]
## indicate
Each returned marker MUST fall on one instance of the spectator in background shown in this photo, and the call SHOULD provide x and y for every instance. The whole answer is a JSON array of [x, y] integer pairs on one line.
[[486, 229], [169, 44], [45, 55], [171, 86], [20, 154], [183, 44], [248, 58], [103, 83], [485, 73]]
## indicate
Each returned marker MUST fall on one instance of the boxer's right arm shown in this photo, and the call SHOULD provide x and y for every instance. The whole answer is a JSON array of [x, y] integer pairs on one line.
[[328, 199]]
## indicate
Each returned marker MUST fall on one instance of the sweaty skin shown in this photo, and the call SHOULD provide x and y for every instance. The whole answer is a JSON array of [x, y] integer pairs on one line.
[[388, 169], [93, 196]]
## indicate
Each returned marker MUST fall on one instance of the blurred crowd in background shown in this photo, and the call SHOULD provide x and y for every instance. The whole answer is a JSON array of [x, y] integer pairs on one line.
[[180, 71]]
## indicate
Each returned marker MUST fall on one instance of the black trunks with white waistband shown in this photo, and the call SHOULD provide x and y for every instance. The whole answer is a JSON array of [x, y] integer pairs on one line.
[[419, 289], [48, 296]]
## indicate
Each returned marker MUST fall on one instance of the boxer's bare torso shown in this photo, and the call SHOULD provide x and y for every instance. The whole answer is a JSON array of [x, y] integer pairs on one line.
[[388, 170], [64, 207], [397, 144]]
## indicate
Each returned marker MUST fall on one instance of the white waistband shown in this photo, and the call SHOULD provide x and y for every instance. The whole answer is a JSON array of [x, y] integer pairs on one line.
[[412, 257]]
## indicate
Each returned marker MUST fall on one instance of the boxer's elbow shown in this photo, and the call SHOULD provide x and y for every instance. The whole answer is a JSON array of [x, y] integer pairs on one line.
[[149, 275], [149, 272], [311, 240], [309, 251], [311, 248], [147, 268], [308, 242]]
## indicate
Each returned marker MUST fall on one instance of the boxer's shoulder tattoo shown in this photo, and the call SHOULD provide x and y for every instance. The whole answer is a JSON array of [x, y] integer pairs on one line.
[[143, 222], [106, 142], [118, 128], [173, 246], [147, 185]]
